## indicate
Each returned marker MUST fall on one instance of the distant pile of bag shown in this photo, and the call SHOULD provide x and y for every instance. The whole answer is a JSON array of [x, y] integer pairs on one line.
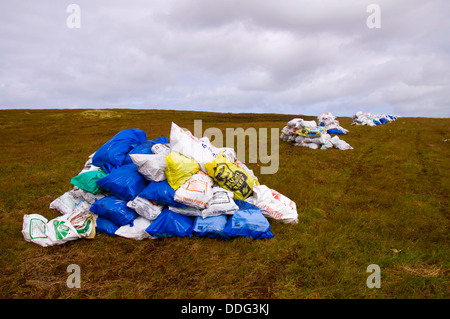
[[146, 189], [331, 124], [308, 134], [361, 118]]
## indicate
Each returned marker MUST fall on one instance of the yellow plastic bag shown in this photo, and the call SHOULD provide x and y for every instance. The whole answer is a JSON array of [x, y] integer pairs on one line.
[[303, 131], [179, 169], [231, 176]]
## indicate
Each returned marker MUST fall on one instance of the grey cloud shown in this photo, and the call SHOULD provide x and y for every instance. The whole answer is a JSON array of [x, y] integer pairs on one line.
[[263, 56]]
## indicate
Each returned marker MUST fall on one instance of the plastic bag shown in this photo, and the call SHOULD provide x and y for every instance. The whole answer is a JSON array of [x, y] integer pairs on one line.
[[221, 203], [37, 229], [145, 208], [248, 170], [275, 205], [89, 197], [161, 149], [294, 122], [231, 176], [125, 182], [326, 118], [187, 211], [88, 165], [229, 153], [316, 131], [83, 221], [324, 138], [303, 131], [326, 145], [171, 224], [105, 226], [210, 226], [311, 123], [248, 221], [179, 169], [67, 202], [340, 144], [187, 144], [115, 210], [313, 146], [161, 193], [145, 148], [152, 167], [196, 191], [335, 131], [87, 181], [137, 231], [82, 206], [112, 154]]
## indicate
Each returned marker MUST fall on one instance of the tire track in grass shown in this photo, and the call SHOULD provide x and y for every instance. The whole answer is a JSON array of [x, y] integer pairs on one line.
[[434, 190], [357, 170]]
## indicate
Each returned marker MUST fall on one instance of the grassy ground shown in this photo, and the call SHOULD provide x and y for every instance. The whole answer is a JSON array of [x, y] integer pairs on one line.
[[384, 203]]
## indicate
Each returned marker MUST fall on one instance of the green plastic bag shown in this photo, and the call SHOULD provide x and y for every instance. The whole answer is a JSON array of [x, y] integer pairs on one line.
[[179, 169], [87, 181]]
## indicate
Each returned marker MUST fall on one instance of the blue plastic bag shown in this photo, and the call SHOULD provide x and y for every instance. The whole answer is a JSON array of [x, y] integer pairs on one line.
[[248, 221], [171, 224], [383, 120], [115, 210], [335, 131], [124, 182], [210, 226], [105, 226], [377, 122], [112, 154], [145, 148], [161, 193]]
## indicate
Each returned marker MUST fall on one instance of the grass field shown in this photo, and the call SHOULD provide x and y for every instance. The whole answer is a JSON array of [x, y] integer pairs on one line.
[[385, 202]]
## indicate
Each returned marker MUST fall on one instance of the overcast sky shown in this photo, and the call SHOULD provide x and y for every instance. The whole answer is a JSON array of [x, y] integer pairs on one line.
[[265, 56]]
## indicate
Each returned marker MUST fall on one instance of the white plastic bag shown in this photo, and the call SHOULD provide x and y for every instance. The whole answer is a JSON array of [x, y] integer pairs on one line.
[[161, 149], [82, 206], [67, 202], [325, 138], [221, 203], [188, 211], [294, 122], [91, 198], [326, 145], [137, 231], [275, 205], [340, 144], [88, 165], [37, 229], [187, 144], [34, 230], [151, 166], [313, 146], [145, 208], [196, 192], [304, 124], [229, 153]]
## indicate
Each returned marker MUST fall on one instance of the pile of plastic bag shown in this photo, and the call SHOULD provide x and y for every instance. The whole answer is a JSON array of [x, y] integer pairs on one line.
[[146, 189], [331, 124], [308, 134], [369, 119]]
